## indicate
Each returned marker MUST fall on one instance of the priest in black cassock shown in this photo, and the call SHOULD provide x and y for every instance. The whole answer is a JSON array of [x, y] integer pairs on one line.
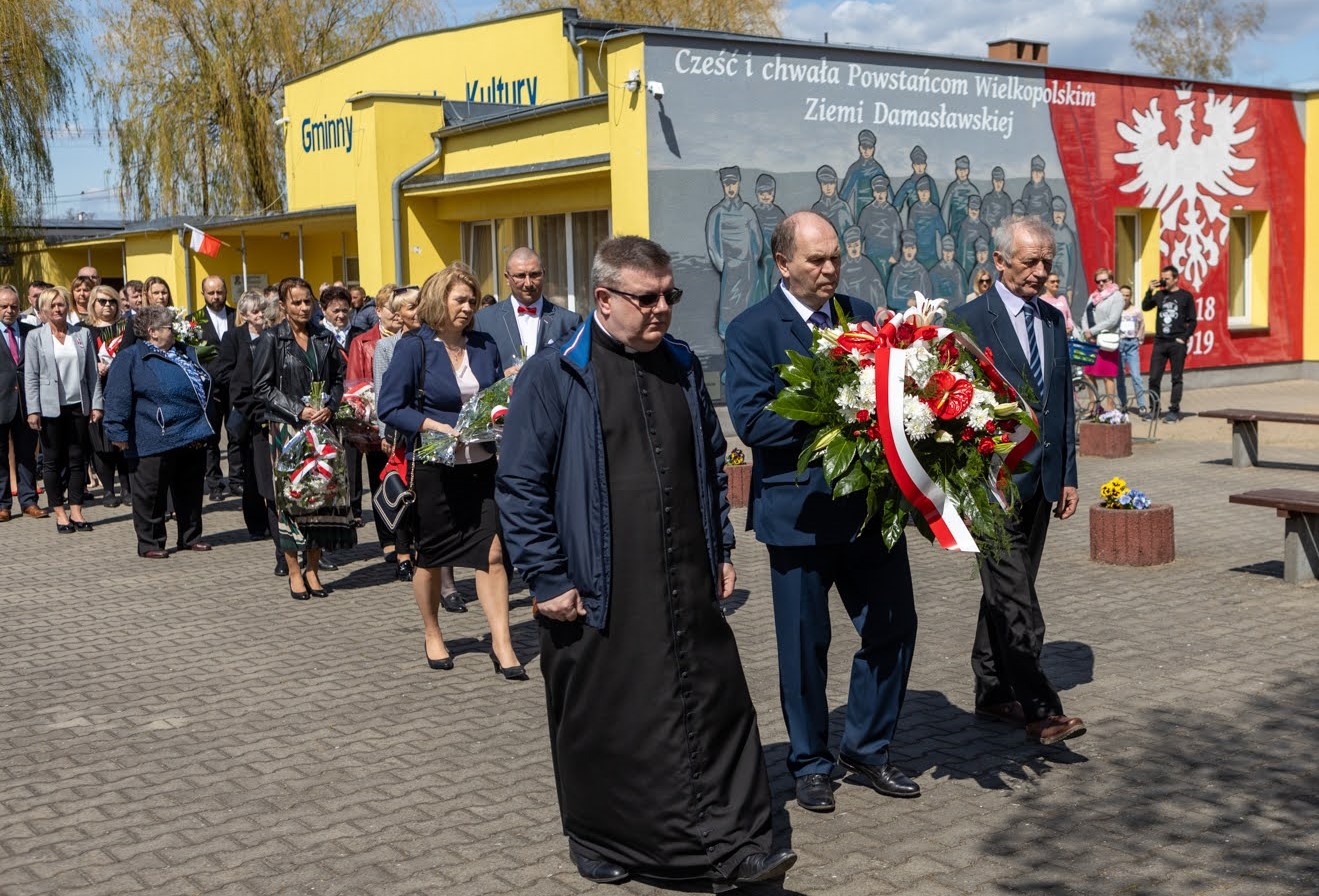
[[611, 493]]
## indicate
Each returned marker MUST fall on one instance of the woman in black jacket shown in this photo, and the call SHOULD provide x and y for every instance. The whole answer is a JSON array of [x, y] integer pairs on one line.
[[233, 372], [286, 360]]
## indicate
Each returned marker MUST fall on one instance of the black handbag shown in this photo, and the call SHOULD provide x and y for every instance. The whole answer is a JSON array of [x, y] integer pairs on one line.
[[396, 496]]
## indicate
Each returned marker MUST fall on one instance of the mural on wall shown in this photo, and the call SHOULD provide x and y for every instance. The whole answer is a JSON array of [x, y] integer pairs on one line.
[[932, 159]]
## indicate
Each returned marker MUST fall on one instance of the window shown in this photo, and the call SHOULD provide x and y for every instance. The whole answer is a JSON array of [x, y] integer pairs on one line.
[[1238, 269], [589, 230], [1126, 249], [566, 244], [479, 254]]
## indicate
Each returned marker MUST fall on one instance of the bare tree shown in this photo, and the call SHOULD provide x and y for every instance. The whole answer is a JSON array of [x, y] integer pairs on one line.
[[40, 64], [190, 90], [1195, 38], [747, 17]]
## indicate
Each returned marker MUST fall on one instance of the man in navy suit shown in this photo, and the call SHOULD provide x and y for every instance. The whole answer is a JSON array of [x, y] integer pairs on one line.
[[13, 411], [813, 539], [525, 322], [1029, 343], [215, 318]]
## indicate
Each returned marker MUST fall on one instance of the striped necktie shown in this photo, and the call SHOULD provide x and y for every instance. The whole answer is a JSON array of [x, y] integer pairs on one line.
[[820, 320], [1036, 370]]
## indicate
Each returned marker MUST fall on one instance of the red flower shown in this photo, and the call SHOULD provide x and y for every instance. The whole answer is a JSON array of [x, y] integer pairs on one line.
[[906, 333], [990, 427], [862, 416], [1009, 425], [948, 353], [968, 434], [1005, 439], [838, 352], [985, 446], [947, 394], [989, 354], [874, 432], [867, 362]]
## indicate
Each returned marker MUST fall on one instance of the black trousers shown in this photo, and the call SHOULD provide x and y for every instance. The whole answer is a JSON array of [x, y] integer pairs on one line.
[[25, 462], [1164, 352], [1010, 631], [65, 444], [256, 514], [176, 474], [217, 412]]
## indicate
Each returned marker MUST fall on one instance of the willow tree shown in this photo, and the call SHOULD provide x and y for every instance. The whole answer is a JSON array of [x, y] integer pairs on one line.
[[39, 61], [190, 91], [1195, 38], [748, 17]]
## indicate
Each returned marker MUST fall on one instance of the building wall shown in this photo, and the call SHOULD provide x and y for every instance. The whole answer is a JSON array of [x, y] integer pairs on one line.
[[1183, 160]]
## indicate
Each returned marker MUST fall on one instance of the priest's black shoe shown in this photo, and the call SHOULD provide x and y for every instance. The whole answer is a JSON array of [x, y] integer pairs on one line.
[[598, 871], [888, 779], [816, 793], [761, 866]]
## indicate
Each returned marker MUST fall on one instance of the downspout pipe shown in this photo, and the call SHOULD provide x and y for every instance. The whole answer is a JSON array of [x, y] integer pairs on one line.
[[581, 58], [396, 198]]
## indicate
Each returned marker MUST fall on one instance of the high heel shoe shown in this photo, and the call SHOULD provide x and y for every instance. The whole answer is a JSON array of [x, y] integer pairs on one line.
[[453, 602], [444, 664], [512, 673], [317, 592], [63, 528], [82, 525], [298, 595]]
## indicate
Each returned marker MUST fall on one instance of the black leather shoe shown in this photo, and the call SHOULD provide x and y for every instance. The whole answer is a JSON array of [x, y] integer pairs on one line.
[[598, 871], [444, 664], [82, 525], [64, 528], [405, 570], [888, 779], [512, 673], [327, 564], [281, 567], [217, 494], [816, 793], [453, 602], [112, 501], [299, 595], [763, 866]]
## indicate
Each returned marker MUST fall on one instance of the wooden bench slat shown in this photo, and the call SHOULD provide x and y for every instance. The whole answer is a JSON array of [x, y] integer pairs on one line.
[[1255, 416], [1293, 500]]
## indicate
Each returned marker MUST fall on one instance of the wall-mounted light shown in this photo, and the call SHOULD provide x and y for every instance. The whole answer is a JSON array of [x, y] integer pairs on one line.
[[633, 82]]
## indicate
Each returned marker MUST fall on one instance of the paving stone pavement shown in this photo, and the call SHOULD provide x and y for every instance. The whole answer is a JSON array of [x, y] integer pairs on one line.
[[181, 726]]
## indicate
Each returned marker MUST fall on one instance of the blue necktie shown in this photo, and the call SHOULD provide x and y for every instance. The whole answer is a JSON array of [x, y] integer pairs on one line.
[[819, 320], [1036, 370]]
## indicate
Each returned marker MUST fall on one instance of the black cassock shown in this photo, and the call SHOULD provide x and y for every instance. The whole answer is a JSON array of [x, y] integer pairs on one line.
[[656, 752]]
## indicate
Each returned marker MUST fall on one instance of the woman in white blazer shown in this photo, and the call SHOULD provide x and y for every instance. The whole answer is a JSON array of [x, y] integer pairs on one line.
[[63, 393]]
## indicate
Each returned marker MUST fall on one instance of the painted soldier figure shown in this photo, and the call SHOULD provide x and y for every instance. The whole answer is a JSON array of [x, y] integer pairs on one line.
[[906, 194], [881, 228], [769, 215], [856, 182], [926, 221], [735, 245], [996, 206], [857, 275], [958, 194], [946, 278], [983, 264], [1067, 254], [908, 276], [1037, 196], [972, 228], [829, 205]]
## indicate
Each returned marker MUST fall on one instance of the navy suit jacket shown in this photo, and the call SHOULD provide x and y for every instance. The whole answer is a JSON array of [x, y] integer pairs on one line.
[[397, 403], [13, 398], [783, 510], [1053, 460], [499, 321]]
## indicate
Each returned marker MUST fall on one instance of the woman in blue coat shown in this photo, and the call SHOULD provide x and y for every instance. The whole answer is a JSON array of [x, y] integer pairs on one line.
[[434, 370], [155, 412]]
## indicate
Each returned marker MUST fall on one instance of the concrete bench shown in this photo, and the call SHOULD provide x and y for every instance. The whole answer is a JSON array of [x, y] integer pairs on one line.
[[1300, 512], [1245, 429]]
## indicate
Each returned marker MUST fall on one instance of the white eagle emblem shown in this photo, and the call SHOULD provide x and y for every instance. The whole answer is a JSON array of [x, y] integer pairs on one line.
[[1186, 179]]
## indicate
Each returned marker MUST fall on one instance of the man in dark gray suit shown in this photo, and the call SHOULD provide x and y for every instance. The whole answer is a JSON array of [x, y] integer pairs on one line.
[[1029, 343], [525, 322], [13, 411]]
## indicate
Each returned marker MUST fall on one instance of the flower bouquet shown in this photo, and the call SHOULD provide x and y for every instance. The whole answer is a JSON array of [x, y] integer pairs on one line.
[[311, 472], [189, 332], [913, 415], [481, 419], [1113, 417], [1118, 495], [356, 417]]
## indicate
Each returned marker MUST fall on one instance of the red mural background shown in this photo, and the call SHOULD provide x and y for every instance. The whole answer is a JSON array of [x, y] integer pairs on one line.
[[1190, 156]]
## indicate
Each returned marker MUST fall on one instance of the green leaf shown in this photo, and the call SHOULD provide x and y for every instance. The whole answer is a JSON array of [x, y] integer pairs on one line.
[[824, 437], [796, 406], [839, 455], [895, 519], [855, 480]]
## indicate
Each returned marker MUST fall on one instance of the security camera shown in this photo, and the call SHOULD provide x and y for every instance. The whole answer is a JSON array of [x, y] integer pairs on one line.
[[656, 89]]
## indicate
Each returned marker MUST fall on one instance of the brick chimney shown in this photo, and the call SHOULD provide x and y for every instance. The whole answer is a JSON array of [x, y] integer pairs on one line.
[[1014, 49]]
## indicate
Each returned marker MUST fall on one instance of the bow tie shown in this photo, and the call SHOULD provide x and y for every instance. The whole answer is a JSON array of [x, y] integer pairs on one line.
[[527, 309]]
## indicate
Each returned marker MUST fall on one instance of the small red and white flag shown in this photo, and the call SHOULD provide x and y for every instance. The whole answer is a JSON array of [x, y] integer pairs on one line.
[[202, 243]]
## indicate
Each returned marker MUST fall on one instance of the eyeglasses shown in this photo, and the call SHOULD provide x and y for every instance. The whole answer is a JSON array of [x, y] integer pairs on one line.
[[648, 300], [106, 302], [527, 275], [983, 282], [1100, 281]]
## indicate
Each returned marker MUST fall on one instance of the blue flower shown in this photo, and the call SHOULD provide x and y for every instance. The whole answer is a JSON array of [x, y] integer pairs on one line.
[[1140, 501], [1125, 499]]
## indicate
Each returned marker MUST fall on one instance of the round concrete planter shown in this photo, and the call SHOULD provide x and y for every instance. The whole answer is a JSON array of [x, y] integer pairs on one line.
[[1104, 440], [739, 483], [1132, 537]]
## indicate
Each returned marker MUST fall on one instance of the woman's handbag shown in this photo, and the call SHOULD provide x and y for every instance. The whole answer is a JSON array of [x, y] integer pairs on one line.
[[395, 494], [1108, 342]]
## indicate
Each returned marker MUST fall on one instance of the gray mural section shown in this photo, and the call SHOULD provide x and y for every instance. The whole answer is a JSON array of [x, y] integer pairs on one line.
[[912, 164]]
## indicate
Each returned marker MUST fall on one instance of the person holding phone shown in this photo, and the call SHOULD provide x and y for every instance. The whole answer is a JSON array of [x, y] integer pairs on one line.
[[1172, 331]]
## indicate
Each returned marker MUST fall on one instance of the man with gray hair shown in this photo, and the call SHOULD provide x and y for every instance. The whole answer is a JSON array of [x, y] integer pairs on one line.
[[612, 494], [13, 411], [1029, 341]]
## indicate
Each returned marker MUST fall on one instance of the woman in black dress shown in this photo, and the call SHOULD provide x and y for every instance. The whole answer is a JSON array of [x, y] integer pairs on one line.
[[432, 372], [286, 360]]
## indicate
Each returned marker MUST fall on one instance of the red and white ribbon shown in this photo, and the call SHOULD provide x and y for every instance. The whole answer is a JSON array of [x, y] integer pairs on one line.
[[319, 462]]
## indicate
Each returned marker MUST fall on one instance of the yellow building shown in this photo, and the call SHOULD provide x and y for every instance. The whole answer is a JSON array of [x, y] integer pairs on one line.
[[553, 131]]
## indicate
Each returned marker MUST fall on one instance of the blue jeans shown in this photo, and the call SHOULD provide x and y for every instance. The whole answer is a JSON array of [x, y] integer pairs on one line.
[[1129, 362]]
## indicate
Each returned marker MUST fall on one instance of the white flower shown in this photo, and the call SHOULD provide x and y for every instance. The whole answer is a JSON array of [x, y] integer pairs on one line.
[[917, 418]]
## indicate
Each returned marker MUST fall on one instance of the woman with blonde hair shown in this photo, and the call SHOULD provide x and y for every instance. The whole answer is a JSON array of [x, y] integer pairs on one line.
[[433, 372], [1103, 315], [80, 297], [107, 325], [157, 291]]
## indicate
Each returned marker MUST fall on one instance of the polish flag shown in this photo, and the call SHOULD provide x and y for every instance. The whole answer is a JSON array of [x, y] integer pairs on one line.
[[202, 243]]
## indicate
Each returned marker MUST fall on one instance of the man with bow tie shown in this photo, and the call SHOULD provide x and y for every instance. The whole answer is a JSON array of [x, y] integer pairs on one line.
[[525, 322], [1029, 342]]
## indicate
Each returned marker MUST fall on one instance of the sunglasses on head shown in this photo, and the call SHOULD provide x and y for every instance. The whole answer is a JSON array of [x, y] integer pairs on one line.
[[399, 290], [673, 295]]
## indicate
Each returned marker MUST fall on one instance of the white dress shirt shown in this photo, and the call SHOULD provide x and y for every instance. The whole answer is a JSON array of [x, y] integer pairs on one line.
[[1017, 311], [528, 324], [219, 321], [805, 310]]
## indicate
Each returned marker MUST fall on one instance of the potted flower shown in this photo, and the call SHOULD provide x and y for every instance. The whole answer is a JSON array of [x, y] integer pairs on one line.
[[1127, 530], [739, 478], [1108, 435]]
